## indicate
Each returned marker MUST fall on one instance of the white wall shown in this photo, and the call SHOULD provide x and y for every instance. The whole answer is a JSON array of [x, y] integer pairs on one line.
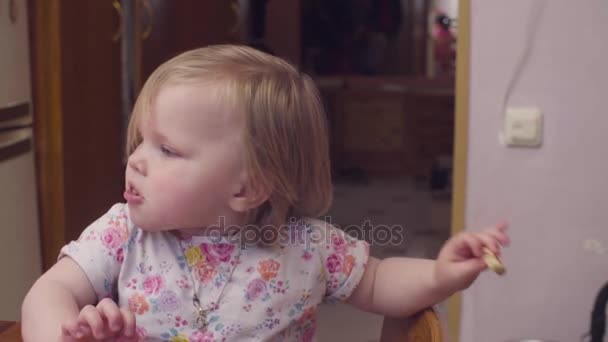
[[555, 197]]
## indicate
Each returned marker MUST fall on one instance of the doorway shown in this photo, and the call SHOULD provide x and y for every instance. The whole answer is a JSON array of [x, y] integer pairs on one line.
[[389, 87]]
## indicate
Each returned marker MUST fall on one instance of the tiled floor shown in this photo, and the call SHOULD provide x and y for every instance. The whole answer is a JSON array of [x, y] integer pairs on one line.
[[425, 220]]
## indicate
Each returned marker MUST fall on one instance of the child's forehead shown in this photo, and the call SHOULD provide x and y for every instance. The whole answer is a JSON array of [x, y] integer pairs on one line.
[[188, 93], [198, 105]]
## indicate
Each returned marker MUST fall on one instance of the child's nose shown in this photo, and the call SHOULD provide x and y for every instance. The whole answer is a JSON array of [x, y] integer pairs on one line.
[[137, 163]]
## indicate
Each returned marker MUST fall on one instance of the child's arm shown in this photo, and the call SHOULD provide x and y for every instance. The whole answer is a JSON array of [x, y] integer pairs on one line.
[[397, 286], [403, 286], [59, 307], [56, 297]]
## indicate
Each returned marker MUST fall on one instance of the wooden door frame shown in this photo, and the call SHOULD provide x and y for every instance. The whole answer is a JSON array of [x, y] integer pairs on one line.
[[45, 54], [461, 136]]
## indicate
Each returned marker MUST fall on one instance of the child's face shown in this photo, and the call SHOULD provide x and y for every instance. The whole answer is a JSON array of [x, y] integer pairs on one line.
[[189, 164]]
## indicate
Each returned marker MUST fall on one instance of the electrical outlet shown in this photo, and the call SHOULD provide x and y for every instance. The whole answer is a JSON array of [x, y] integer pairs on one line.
[[523, 127]]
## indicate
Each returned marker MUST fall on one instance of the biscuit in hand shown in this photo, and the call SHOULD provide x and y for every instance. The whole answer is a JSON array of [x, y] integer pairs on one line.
[[493, 262]]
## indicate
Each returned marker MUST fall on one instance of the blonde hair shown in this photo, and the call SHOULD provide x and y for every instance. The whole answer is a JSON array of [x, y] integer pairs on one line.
[[285, 138]]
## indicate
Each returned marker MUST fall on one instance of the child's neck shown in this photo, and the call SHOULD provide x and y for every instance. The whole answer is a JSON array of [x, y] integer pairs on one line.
[[206, 231], [222, 228]]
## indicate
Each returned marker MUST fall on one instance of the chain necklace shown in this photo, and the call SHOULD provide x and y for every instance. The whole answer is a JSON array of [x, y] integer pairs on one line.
[[200, 312]]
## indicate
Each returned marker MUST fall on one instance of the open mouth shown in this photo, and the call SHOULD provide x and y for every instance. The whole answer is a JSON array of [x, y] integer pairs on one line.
[[132, 196]]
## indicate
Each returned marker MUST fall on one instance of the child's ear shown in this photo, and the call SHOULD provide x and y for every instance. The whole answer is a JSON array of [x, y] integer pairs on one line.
[[247, 197]]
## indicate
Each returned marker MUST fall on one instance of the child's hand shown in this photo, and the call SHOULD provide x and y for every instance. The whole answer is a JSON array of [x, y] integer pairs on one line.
[[101, 322], [460, 260]]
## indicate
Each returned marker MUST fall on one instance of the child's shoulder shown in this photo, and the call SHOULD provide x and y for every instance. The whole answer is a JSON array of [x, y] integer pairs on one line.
[[116, 219], [318, 231], [119, 213], [317, 223], [118, 209]]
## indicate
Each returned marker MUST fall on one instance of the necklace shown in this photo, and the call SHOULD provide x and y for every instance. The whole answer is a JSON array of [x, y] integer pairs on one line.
[[200, 313]]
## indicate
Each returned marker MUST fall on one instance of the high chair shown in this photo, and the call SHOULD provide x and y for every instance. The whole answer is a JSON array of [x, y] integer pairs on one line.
[[424, 326]]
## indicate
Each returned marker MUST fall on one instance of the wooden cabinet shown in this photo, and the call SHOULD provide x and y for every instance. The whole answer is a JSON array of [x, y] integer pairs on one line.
[[76, 93], [168, 27], [389, 127], [371, 132]]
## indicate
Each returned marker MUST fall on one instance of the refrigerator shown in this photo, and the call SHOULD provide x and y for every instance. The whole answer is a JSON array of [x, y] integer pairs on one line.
[[20, 250]]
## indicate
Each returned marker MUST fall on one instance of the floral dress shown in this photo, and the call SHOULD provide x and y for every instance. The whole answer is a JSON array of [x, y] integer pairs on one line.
[[259, 293]]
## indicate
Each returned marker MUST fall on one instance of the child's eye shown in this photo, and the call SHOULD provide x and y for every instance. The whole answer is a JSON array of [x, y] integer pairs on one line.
[[167, 151]]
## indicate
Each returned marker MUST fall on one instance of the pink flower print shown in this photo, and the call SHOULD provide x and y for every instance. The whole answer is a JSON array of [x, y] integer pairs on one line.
[[255, 289], [138, 304], [179, 321], [89, 236], [217, 252], [204, 272], [132, 284], [200, 336], [308, 322], [183, 283], [168, 301], [308, 316], [116, 224], [268, 269], [332, 284], [339, 244], [153, 284], [306, 255], [334, 263], [120, 255], [112, 238], [309, 334]]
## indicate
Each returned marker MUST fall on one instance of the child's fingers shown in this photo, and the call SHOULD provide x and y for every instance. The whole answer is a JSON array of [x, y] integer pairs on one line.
[[90, 317], [500, 236], [111, 314], [489, 241], [86, 331], [70, 328], [502, 226], [499, 227], [128, 319], [470, 243], [498, 232]]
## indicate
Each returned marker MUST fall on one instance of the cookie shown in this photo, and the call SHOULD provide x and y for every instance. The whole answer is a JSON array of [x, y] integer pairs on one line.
[[493, 262]]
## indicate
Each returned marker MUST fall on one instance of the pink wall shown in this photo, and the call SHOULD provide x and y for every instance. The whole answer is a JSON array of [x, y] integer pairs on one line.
[[555, 197]]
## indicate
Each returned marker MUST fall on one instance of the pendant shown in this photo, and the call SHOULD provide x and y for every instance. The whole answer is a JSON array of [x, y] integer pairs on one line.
[[201, 314], [201, 319]]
